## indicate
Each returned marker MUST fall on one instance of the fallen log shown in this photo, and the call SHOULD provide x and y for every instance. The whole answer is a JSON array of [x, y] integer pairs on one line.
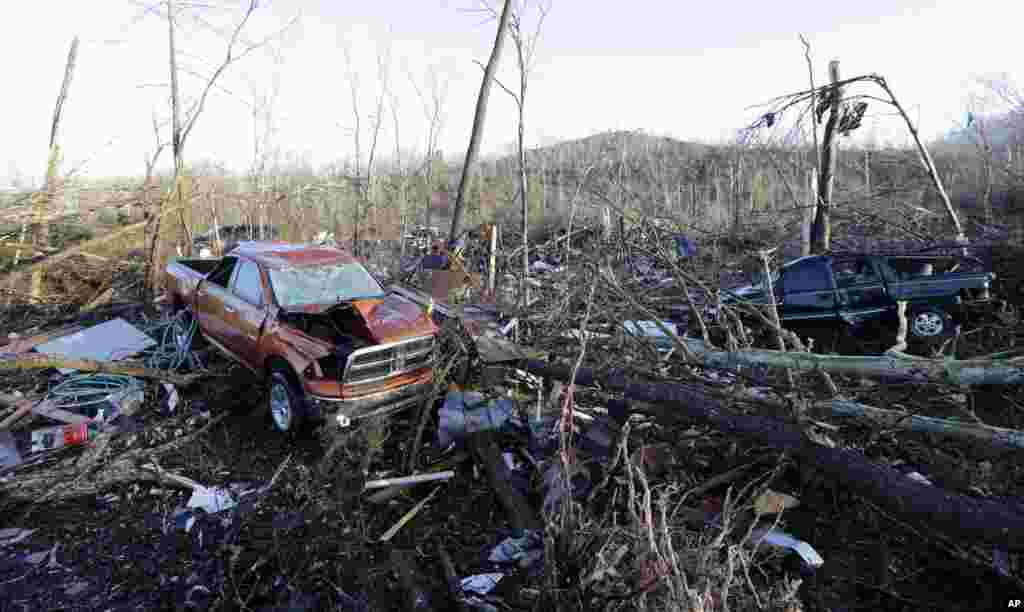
[[892, 366], [520, 514], [991, 521], [416, 599], [127, 368], [841, 407]]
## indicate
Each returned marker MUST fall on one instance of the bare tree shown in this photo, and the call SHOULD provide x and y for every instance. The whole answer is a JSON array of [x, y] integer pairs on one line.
[[479, 117], [237, 47], [525, 44], [264, 133], [433, 110], [400, 171], [363, 204]]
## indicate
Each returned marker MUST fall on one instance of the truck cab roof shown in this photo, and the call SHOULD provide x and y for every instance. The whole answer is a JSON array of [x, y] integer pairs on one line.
[[275, 254]]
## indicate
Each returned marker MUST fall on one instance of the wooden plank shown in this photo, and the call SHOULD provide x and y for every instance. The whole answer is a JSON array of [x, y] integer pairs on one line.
[[23, 345]]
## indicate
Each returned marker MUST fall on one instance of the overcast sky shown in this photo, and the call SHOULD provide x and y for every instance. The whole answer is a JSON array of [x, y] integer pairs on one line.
[[683, 69]]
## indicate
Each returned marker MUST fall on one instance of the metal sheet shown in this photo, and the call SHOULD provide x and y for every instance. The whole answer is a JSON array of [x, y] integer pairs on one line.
[[111, 341]]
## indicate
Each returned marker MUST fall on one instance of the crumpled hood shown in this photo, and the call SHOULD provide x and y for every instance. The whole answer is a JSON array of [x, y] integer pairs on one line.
[[394, 318]]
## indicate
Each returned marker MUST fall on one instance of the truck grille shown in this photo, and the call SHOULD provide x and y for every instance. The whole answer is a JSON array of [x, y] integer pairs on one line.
[[380, 362]]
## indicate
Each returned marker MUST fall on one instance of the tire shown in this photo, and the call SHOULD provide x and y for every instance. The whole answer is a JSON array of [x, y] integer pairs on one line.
[[286, 405], [929, 323]]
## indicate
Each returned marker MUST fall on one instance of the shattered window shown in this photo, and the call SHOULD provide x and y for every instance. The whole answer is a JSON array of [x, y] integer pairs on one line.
[[222, 274], [849, 272], [248, 285], [806, 276], [323, 284]]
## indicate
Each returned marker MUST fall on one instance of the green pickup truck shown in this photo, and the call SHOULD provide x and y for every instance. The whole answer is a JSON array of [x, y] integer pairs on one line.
[[856, 289]]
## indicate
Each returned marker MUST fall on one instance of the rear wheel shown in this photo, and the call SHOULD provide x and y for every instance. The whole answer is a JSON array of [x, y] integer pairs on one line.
[[929, 323]]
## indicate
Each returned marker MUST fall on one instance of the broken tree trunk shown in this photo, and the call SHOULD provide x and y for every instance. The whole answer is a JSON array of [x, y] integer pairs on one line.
[[520, 514], [989, 521], [127, 368], [821, 232], [42, 235]]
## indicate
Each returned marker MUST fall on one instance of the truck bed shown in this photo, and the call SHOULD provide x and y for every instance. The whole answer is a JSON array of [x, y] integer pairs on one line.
[[184, 274]]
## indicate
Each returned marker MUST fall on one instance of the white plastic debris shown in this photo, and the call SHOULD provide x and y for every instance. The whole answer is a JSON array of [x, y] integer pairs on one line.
[[919, 477], [481, 584], [781, 539], [211, 500]]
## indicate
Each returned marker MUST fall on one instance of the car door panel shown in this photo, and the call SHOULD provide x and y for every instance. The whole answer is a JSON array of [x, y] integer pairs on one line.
[[248, 307], [862, 291], [808, 294], [211, 307]]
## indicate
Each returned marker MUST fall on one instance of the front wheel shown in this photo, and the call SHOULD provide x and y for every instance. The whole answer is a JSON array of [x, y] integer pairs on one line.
[[284, 403]]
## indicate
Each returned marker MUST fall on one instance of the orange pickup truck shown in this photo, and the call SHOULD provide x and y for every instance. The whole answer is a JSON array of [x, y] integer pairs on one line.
[[328, 339]]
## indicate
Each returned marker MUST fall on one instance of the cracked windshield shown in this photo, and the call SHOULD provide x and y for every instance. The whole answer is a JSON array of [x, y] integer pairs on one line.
[[319, 285]]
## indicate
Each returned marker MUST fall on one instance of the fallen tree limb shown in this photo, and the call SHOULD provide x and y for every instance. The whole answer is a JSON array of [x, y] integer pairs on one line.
[[892, 366], [127, 368], [997, 436], [980, 432], [22, 407], [990, 521]]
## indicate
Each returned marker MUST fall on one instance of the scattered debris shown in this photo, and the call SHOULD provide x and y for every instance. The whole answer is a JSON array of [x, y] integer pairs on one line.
[[464, 413], [773, 502], [481, 584], [66, 435]]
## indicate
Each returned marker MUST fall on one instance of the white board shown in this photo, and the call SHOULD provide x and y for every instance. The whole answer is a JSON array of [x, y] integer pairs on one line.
[[111, 341]]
